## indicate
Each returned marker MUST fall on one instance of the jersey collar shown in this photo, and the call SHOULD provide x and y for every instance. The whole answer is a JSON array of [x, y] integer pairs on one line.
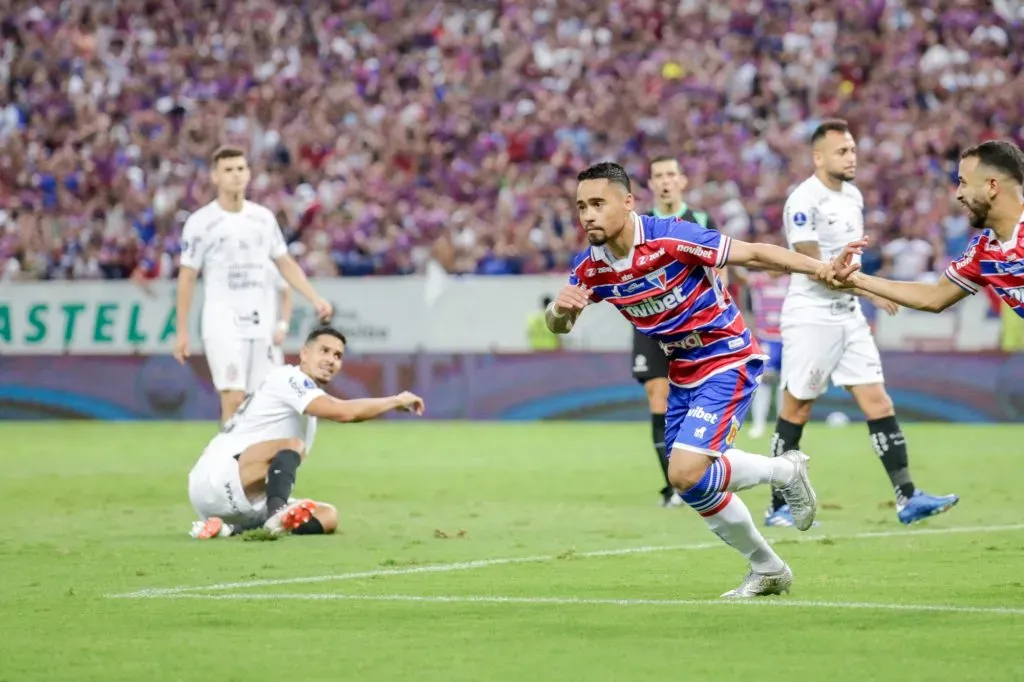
[[1012, 241], [601, 253]]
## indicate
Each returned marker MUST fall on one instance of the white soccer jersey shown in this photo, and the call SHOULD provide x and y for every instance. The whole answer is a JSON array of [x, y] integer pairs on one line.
[[273, 412], [815, 213], [234, 251]]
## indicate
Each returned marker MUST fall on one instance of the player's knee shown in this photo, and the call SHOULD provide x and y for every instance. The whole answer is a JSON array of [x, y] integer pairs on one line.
[[230, 401], [875, 402], [794, 410], [657, 395], [295, 444], [327, 515], [686, 468]]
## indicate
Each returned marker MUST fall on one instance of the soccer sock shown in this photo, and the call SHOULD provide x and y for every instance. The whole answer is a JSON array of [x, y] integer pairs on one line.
[[245, 526], [748, 470], [658, 434], [786, 437], [281, 479], [761, 406], [311, 527], [891, 447], [734, 525]]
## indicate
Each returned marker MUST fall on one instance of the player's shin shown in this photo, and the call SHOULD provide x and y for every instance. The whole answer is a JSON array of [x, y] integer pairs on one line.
[[734, 525], [891, 447], [281, 479]]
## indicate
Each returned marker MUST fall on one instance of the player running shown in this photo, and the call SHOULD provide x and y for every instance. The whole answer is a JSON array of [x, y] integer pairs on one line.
[[659, 273], [825, 334], [234, 242], [991, 188], [650, 366], [767, 293], [244, 478]]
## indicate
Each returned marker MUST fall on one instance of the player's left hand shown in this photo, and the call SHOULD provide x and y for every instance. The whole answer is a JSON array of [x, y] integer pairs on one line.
[[279, 337], [885, 304], [410, 402], [836, 274], [324, 310]]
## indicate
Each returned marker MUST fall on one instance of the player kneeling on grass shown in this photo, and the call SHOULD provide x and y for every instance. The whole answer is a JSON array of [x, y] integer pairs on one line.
[[244, 478]]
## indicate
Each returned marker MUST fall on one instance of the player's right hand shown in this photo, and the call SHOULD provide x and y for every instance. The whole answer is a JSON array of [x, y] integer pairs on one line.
[[572, 298], [324, 310], [837, 274], [181, 348], [410, 402]]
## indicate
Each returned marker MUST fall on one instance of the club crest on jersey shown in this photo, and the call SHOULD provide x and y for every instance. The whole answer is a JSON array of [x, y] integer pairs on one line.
[[734, 429], [658, 279]]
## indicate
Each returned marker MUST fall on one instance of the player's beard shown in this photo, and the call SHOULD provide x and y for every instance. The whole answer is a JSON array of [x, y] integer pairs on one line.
[[843, 176], [597, 237], [977, 214]]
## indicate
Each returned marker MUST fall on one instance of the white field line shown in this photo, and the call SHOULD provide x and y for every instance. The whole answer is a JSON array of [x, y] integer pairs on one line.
[[484, 563], [579, 601]]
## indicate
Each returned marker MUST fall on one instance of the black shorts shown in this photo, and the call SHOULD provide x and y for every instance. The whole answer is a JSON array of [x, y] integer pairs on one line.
[[649, 361]]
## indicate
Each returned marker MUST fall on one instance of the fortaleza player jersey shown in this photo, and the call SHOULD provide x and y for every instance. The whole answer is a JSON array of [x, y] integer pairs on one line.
[[667, 288], [987, 262]]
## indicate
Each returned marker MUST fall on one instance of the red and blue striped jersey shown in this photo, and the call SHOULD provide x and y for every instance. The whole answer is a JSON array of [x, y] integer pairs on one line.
[[988, 263], [667, 288], [767, 294]]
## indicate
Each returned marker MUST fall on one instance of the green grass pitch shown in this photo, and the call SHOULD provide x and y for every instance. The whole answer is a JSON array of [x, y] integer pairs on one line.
[[494, 552]]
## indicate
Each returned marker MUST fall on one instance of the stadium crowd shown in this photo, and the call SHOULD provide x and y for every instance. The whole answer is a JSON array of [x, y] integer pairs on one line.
[[387, 133]]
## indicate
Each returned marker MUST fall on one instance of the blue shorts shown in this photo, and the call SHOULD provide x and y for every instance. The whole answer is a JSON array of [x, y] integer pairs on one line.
[[706, 418], [773, 349]]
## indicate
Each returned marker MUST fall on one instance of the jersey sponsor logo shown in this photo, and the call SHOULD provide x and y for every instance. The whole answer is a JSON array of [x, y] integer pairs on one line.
[[688, 342], [603, 269], [799, 218], [656, 306], [736, 343], [695, 250], [626, 276], [990, 267], [700, 413]]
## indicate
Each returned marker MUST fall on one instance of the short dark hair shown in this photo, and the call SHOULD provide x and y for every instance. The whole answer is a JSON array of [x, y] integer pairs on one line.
[[226, 152], [607, 170], [829, 125], [325, 330], [1002, 155], [661, 159]]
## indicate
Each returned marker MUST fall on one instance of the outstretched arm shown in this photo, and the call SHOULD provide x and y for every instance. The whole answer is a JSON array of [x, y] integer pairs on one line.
[[928, 296], [362, 409], [777, 259]]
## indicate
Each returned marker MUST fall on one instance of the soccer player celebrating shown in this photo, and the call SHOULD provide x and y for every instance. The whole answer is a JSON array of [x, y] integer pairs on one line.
[[234, 242], [824, 333], [991, 177], [244, 478], [660, 274], [650, 366]]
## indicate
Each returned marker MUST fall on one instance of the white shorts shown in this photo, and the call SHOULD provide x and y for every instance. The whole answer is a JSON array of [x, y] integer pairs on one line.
[[238, 364], [813, 353], [215, 489]]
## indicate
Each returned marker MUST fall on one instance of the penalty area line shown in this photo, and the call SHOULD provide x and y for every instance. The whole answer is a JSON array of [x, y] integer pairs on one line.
[[484, 563]]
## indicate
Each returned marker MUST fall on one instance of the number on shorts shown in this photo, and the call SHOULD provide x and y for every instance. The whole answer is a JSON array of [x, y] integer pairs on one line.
[[230, 424]]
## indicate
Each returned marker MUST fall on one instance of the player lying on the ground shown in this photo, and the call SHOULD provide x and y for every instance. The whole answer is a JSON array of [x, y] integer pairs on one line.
[[991, 188], [660, 274], [244, 478]]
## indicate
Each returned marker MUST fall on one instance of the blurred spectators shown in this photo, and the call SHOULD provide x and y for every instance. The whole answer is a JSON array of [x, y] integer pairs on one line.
[[387, 133]]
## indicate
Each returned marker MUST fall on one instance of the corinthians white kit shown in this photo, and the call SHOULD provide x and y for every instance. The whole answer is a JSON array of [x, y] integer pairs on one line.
[[824, 333], [235, 252]]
